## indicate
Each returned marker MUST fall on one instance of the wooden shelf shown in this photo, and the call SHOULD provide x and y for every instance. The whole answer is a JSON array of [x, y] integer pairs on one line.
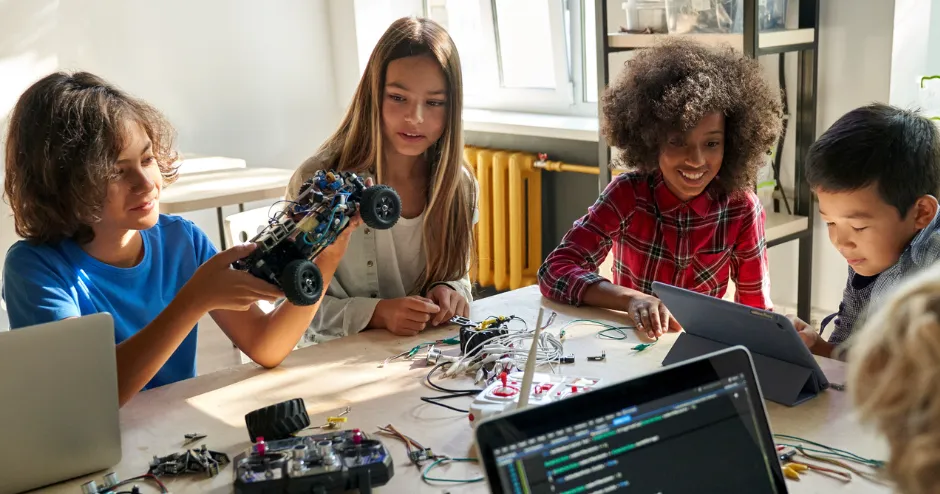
[[769, 40], [779, 225]]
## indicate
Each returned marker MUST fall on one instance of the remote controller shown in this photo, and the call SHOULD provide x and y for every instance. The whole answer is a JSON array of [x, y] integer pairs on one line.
[[322, 463], [503, 394]]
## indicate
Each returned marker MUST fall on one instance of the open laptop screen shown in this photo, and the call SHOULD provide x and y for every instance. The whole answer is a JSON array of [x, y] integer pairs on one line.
[[709, 437]]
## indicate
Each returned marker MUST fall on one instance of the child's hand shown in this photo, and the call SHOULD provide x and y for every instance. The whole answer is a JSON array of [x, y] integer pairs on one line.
[[216, 285], [450, 302], [406, 316], [650, 314], [806, 332], [337, 249]]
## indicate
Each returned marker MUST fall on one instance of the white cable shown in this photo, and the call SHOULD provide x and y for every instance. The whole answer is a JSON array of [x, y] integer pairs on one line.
[[508, 350], [516, 345]]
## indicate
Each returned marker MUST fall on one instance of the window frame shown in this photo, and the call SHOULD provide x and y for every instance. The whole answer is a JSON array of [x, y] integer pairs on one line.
[[568, 98]]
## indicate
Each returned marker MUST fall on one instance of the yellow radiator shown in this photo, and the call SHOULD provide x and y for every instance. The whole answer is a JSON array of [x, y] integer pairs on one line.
[[509, 231]]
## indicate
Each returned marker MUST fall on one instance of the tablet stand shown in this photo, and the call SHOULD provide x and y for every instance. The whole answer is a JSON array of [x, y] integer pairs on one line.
[[781, 382]]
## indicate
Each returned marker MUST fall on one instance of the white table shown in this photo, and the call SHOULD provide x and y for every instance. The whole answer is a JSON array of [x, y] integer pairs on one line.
[[345, 372], [217, 188]]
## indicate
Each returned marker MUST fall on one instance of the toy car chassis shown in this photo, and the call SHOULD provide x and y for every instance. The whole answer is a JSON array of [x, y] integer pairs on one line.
[[296, 235]]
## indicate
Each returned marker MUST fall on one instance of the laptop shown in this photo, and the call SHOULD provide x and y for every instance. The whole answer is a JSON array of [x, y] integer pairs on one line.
[[698, 426], [59, 418], [787, 369]]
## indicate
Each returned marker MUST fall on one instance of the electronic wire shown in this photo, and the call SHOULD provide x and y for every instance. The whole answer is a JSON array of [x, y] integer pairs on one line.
[[409, 442], [619, 332], [147, 476], [450, 393], [512, 346], [829, 450], [444, 461], [414, 448]]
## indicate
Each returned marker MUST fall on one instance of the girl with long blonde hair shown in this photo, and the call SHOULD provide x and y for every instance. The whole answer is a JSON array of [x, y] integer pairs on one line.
[[404, 129]]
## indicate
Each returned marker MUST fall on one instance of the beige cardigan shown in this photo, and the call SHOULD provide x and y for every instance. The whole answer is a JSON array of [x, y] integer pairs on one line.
[[351, 297]]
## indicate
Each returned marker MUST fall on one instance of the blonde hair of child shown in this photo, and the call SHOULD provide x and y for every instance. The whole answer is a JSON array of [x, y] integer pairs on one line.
[[894, 380]]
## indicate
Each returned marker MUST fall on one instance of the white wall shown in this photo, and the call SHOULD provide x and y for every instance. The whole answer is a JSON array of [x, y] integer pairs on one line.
[[240, 78], [909, 58], [915, 53]]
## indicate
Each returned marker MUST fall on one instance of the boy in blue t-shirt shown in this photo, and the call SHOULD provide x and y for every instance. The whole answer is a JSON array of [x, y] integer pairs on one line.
[[85, 166], [876, 173]]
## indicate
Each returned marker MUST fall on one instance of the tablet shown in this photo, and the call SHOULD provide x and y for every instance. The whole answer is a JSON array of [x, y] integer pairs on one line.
[[764, 333]]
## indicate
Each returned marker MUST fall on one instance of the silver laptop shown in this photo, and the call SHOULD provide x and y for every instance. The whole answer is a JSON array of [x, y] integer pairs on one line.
[[58, 402]]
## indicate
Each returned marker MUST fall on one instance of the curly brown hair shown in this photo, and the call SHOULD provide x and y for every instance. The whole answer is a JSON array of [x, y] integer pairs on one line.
[[672, 87], [66, 133], [894, 379]]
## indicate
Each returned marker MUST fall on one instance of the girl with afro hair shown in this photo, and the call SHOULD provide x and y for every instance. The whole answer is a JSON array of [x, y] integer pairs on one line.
[[694, 124]]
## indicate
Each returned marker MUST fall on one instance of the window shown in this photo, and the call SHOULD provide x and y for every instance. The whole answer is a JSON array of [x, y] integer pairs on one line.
[[524, 55]]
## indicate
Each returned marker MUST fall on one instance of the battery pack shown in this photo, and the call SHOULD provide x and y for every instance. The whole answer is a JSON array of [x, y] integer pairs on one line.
[[471, 339]]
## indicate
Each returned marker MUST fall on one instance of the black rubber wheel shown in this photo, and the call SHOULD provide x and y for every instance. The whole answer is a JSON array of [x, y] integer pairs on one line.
[[380, 207], [302, 282], [278, 421]]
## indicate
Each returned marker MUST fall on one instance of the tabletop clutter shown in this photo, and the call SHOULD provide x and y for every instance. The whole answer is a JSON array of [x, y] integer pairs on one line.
[[499, 355]]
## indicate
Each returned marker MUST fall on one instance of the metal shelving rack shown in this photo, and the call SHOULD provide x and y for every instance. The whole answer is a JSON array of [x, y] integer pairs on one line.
[[780, 227]]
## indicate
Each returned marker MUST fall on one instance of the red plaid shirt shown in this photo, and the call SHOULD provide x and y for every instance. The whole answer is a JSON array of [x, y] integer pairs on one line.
[[698, 245]]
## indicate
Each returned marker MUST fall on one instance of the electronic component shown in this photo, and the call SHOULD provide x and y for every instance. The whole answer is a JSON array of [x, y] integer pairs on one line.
[[503, 394], [310, 224], [324, 463], [568, 359], [472, 339], [433, 356], [602, 356], [191, 438], [473, 334], [419, 456], [462, 321], [111, 485], [200, 460], [334, 422]]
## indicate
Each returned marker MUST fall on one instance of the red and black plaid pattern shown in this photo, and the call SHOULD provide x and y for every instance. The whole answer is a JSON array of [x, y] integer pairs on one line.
[[699, 245]]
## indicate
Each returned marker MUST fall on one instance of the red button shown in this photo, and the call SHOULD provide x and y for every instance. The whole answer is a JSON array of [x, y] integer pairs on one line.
[[471, 417]]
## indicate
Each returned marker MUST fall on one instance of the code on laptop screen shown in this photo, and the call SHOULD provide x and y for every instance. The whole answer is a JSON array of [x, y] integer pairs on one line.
[[700, 440]]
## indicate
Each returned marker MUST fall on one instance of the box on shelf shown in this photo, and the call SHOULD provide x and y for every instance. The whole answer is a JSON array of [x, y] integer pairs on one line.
[[645, 16], [721, 16]]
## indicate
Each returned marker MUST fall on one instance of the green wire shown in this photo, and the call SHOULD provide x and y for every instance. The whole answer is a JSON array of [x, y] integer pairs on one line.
[[841, 453], [424, 474], [619, 333], [446, 341]]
